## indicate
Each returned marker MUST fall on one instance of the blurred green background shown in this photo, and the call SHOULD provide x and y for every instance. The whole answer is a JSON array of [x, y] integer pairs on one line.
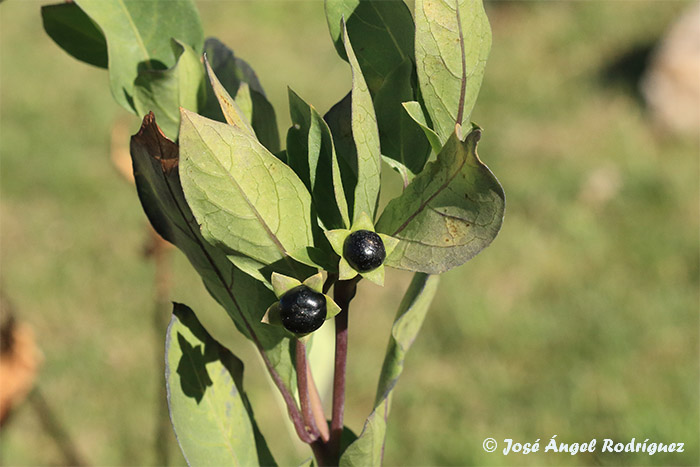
[[581, 320]]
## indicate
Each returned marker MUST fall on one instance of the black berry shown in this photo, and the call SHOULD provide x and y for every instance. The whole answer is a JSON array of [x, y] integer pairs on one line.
[[302, 310], [364, 250]]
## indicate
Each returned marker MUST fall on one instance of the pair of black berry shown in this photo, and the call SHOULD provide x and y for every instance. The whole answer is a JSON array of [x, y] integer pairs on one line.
[[303, 310]]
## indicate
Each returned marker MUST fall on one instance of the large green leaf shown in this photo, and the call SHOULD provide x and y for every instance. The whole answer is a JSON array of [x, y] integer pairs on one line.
[[366, 138], [75, 33], [311, 154], [381, 33], [155, 159], [244, 198], [453, 40], [402, 139], [138, 37], [164, 91], [448, 213], [211, 414], [231, 72], [368, 449]]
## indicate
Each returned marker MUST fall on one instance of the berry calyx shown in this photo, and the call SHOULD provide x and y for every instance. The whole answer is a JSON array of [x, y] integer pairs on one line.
[[302, 310], [364, 250]]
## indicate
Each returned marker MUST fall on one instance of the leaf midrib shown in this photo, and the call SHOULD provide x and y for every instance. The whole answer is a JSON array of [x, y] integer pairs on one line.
[[426, 202], [388, 30]]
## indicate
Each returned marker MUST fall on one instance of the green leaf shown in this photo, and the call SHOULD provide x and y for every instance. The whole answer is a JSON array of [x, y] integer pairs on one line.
[[138, 37], [211, 414], [402, 139], [230, 108], [245, 101], [231, 71], [155, 159], [244, 198], [366, 138], [381, 32], [415, 111], [74, 32], [339, 120], [453, 39], [368, 449], [164, 91], [310, 152], [448, 213]]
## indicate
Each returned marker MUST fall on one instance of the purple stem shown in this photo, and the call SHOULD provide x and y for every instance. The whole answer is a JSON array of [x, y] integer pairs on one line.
[[303, 385], [343, 293]]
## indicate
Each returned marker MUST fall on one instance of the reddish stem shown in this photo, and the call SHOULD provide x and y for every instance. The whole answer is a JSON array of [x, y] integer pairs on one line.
[[344, 292], [303, 385]]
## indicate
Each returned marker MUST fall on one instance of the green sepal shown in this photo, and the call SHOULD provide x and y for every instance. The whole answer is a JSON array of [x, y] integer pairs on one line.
[[345, 271], [337, 239], [272, 315], [362, 222], [389, 243], [332, 308], [375, 275], [315, 282], [282, 284]]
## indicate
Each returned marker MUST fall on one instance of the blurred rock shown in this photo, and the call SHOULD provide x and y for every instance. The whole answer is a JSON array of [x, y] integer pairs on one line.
[[671, 86]]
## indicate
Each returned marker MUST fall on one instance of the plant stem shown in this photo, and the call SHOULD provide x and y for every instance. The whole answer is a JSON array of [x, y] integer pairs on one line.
[[343, 293], [303, 385], [317, 407]]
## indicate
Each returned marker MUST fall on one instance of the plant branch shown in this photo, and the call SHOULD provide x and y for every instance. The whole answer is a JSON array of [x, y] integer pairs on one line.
[[343, 293], [303, 386], [317, 407]]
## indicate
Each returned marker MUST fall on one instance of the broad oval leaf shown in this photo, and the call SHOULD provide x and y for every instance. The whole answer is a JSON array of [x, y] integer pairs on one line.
[[381, 32], [366, 138], [155, 159], [211, 414], [453, 40], [164, 91], [311, 153], [129, 27], [448, 213], [368, 449], [245, 199], [75, 33]]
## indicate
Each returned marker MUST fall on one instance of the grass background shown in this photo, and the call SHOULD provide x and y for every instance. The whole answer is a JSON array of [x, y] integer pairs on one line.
[[581, 320]]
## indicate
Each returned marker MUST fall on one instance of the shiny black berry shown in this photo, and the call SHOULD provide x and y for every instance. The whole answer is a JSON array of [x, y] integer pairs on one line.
[[364, 250], [302, 310]]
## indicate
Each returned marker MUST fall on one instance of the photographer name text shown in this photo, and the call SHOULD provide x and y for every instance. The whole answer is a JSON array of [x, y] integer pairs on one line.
[[607, 445]]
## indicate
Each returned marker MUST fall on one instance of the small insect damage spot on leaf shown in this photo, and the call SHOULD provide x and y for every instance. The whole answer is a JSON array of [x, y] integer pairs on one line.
[[456, 229]]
